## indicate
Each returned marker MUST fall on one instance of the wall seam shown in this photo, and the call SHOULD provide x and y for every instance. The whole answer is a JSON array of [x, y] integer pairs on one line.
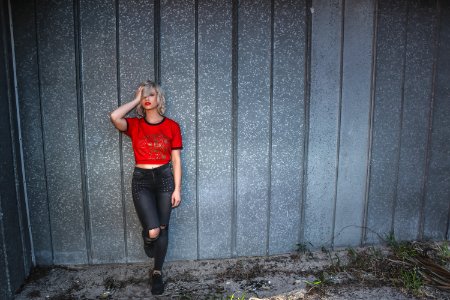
[[6, 52], [338, 138], [447, 227], [197, 208], [234, 120], [424, 189], [269, 183], [23, 183], [394, 206], [307, 96], [373, 84], [41, 107], [121, 169], [5, 252], [81, 136]]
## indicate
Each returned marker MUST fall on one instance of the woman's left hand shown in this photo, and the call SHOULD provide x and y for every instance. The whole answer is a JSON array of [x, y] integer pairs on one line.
[[176, 198]]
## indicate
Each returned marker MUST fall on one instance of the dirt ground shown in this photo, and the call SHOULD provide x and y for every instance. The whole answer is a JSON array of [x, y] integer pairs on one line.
[[340, 274]]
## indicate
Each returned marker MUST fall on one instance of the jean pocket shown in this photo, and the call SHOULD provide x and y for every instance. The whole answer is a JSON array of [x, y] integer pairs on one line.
[[166, 173], [138, 174]]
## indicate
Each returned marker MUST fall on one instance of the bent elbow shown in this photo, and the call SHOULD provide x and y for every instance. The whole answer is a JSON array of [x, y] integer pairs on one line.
[[113, 117]]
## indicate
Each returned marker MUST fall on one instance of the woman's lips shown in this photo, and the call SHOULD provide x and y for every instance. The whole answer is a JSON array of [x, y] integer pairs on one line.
[[147, 103]]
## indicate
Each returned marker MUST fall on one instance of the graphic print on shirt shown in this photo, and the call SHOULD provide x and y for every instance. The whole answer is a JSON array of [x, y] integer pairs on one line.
[[155, 146]]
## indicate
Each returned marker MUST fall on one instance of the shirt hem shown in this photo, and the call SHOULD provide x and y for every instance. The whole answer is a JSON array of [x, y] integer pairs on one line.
[[152, 162]]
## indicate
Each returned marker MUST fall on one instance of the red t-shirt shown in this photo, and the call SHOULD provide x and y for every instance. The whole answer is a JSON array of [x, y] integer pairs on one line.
[[153, 143]]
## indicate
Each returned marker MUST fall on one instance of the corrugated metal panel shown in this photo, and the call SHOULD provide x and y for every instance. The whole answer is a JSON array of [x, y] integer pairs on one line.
[[26, 54], [354, 130], [215, 129], [15, 248], [265, 92], [57, 69], [135, 45], [416, 110], [253, 126], [386, 129], [102, 157], [436, 210], [289, 121], [324, 111], [178, 77]]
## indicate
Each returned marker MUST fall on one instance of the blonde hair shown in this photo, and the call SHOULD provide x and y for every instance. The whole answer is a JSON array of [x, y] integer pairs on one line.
[[148, 86]]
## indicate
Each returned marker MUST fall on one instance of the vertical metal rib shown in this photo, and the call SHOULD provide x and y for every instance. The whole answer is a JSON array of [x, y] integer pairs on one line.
[[41, 108], [234, 119], [371, 117], [82, 141], [307, 95], [197, 208], [10, 109], [119, 96], [401, 118], [338, 138], [21, 184], [430, 121], [269, 177]]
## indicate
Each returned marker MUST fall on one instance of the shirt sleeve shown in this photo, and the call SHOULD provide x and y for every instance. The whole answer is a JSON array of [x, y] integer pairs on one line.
[[177, 140], [131, 124]]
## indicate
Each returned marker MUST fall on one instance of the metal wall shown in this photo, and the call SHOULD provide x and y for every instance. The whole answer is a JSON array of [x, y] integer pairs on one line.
[[15, 247], [322, 123]]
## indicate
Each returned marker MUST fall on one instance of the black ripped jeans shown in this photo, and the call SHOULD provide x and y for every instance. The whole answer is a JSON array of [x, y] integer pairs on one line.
[[152, 193]]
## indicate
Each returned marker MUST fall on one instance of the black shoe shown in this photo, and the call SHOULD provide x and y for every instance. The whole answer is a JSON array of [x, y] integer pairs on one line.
[[148, 245], [157, 283]]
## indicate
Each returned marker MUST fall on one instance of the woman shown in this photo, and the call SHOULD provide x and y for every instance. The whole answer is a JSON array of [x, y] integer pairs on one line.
[[156, 183]]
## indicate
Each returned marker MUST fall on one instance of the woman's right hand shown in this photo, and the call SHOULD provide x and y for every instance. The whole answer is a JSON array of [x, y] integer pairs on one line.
[[138, 94], [118, 115]]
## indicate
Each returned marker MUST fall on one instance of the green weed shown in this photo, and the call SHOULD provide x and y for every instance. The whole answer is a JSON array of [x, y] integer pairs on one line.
[[444, 251], [316, 282], [304, 249], [232, 297], [411, 280], [352, 254], [403, 250], [335, 261], [375, 253], [390, 240]]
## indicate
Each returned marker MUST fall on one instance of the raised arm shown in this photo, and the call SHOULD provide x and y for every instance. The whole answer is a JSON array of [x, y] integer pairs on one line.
[[117, 116]]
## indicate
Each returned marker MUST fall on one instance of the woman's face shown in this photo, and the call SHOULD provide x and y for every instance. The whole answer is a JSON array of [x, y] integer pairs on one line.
[[149, 101]]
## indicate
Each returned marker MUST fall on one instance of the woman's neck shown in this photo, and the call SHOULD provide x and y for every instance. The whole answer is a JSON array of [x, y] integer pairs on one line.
[[152, 116]]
